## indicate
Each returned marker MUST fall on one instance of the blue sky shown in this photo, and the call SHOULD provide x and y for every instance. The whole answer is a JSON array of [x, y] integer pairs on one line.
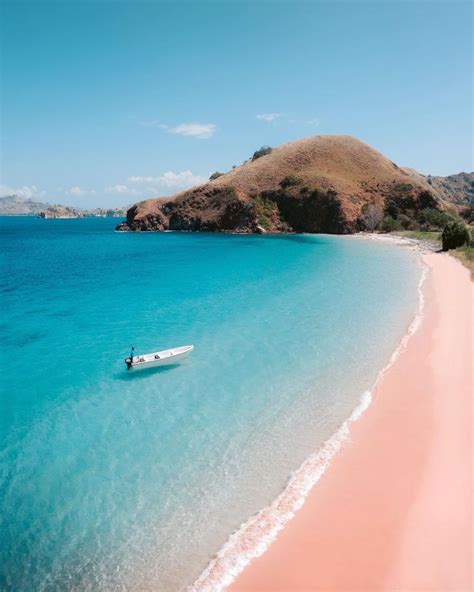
[[106, 103]]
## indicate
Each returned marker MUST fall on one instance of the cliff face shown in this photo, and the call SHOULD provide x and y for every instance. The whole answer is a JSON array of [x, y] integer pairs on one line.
[[319, 184]]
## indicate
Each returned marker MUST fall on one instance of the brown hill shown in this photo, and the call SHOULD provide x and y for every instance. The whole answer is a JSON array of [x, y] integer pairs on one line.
[[457, 189], [318, 184]]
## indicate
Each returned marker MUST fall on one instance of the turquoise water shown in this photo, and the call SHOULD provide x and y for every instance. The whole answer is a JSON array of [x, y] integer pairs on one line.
[[112, 480]]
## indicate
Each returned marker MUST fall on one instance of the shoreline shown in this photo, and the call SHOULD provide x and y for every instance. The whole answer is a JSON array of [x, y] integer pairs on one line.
[[255, 537], [374, 520]]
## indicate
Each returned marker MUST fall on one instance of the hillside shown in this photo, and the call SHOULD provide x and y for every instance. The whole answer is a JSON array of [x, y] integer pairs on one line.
[[458, 189], [14, 205], [73, 212], [318, 184]]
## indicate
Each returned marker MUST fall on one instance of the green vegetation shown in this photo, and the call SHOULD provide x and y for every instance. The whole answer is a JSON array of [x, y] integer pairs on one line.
[[466, 256], [266, 210], [390, 224], [455, 234], [263, 151], [432, 218], [215, 175], [290, 181], [428, 235]]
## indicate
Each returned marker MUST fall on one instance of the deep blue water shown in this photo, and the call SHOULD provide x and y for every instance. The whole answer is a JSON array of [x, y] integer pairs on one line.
[[109, 479]]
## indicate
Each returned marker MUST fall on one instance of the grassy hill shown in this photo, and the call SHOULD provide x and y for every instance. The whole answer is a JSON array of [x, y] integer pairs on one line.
[[334, 184]]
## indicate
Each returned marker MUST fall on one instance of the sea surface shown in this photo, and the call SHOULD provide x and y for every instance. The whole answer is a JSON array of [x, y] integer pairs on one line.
[[114, 480]]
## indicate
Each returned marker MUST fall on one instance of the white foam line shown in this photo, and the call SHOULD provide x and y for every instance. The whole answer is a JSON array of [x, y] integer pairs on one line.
[[255, 535]]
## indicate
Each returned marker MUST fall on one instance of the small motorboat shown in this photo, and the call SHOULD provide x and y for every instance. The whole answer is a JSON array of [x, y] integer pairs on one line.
[[161, 358]]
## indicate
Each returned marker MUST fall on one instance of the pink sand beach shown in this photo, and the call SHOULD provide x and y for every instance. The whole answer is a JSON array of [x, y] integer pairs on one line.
[[394, 509]]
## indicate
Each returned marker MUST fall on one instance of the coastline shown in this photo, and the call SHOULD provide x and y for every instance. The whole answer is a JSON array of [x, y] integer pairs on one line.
[[375, 518], [307, 553]]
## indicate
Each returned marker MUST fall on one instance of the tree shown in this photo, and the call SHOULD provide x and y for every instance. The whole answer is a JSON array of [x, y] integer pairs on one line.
[[433, 218], [371, 216], [455, 234], [290, 180], [263, 151], [215, 176], [390, 224]]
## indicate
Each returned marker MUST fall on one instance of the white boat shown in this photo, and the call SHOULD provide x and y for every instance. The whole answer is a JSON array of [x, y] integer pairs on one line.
[[161, 358]]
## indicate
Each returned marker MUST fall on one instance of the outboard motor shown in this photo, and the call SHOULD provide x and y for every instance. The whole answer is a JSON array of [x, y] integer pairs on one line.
[[128, 361]]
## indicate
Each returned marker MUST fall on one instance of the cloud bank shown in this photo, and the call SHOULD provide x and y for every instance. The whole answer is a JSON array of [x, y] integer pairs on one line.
[[170, 179], [27, 191]]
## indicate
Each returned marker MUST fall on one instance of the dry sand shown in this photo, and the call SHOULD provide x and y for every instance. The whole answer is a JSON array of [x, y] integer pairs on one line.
[[394, 509]]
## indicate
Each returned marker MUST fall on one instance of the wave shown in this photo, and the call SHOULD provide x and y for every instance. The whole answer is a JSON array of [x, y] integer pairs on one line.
[[255, 535]]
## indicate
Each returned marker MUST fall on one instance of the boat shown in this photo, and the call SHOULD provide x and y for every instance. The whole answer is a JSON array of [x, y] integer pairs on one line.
[[160, 358]]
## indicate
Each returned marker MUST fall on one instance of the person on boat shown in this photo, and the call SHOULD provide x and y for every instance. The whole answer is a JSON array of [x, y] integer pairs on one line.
[[130, 363]]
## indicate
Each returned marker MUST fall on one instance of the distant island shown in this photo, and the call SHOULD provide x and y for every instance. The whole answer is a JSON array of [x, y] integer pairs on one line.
[[14, 205], [330, 184]]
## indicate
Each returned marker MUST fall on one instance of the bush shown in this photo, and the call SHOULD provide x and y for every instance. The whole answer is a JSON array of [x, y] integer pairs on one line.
[[290, 180], [263, 151], [215, 175], [389, 224], [455, 234], [431, 218]]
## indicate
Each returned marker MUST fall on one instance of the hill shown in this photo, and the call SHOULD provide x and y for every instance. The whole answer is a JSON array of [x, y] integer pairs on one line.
[[457, 189], [334, 184], [14, 205]]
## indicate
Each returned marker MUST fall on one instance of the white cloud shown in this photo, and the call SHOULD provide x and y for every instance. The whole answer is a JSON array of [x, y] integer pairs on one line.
[[196, 130], [138, 179], [27, 191], [269, 116], [202, 131], [183, 179], [313, 121], [76, 190], [120, 189]]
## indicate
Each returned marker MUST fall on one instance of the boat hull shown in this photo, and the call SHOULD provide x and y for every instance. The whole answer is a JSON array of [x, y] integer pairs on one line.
[[163, 358]]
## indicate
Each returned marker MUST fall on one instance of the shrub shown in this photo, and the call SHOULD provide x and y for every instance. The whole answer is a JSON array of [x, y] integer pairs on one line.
[[432, 218], [263, 151], [290, 180], [455, 234], [390, 224], [406, 222], [215, 175], [391, 208], [426, 200]]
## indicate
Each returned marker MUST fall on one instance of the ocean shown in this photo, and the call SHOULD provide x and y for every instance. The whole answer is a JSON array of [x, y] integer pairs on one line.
[[113, 480]]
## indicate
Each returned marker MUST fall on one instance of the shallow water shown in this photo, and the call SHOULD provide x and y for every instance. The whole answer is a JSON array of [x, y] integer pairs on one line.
[[114, 480]]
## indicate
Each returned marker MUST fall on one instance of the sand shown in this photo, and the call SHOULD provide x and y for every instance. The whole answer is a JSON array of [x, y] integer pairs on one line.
[[394, 509]]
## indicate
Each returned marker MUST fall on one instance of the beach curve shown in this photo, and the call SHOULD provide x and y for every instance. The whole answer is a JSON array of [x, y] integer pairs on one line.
[[255, 536], [394, 510]]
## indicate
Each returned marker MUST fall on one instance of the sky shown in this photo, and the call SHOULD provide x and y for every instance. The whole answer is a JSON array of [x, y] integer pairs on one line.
[[107, 103]]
